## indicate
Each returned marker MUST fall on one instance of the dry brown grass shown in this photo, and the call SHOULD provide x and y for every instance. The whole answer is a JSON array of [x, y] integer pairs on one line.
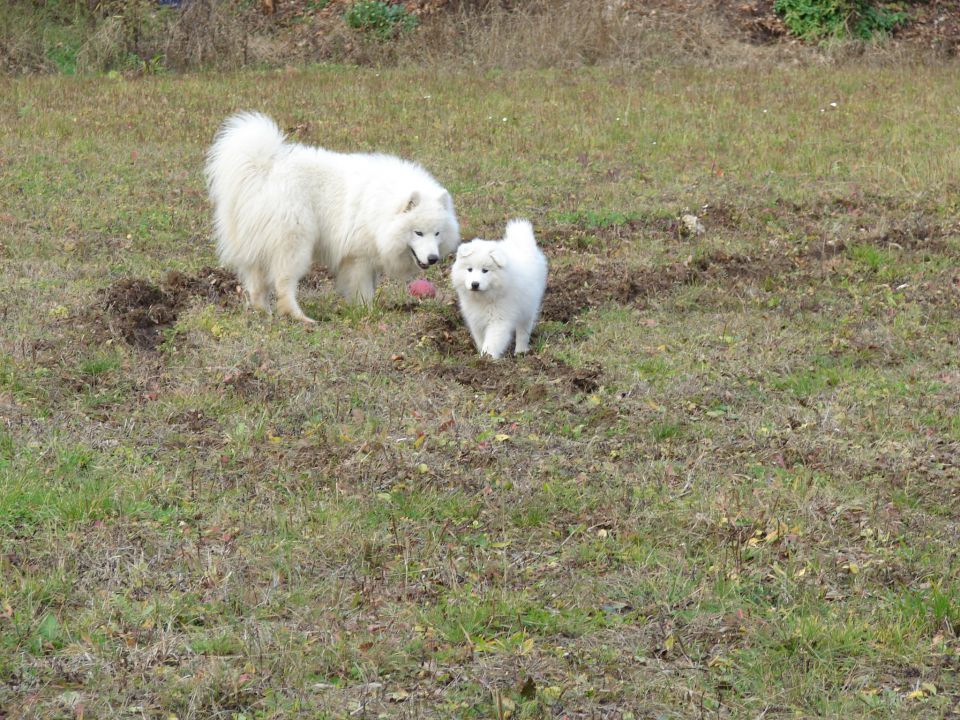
[[134, 35], [556, 34], [204, 35]]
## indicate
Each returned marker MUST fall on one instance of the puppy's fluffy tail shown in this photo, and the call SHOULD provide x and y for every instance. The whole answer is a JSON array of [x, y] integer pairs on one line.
[[520, 233], [246, 145]]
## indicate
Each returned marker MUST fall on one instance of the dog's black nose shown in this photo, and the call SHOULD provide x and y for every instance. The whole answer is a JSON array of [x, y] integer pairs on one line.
[[475, 285], [432, 259]]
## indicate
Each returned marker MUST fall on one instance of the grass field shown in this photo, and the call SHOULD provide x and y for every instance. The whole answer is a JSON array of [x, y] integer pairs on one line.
[[724, 484]]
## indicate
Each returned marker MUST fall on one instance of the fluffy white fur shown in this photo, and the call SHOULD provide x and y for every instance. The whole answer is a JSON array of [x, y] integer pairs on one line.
[[279, 206], [500, 285]]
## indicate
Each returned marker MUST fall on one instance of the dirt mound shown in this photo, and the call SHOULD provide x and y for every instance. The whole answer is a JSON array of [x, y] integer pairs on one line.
[[211, 284], [573, 290], [528, 376], [448, 334], [138, 311]]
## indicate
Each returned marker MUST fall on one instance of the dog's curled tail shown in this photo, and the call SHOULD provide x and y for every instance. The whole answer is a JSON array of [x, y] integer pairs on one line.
[[245, 145], [520, 232]]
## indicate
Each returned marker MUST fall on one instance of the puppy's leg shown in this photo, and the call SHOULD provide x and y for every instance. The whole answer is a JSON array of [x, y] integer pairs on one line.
[[287, 272], [477, 331], [523, 330], [356, 281], [523, 340], [497, 340], [476, 319]]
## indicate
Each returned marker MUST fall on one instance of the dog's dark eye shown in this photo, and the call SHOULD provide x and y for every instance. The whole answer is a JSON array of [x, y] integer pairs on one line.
[[437, 234], [484, 270], [469, 269], [418, 233]]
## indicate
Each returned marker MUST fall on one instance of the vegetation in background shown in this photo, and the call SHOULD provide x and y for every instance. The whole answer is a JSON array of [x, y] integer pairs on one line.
[[70, 36], [839, 19], [380, 18], [74, 36]]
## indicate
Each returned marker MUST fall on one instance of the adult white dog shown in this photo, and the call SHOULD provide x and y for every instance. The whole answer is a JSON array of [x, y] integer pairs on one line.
[[279, 206], [500, 285]]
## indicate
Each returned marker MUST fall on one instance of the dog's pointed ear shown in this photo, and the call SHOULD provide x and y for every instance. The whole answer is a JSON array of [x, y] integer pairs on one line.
[[446, 200], [464, 250], [498, 258], [412, 201]]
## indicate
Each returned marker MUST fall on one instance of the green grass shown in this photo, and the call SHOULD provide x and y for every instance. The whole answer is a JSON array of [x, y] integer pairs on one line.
[[723, 486]]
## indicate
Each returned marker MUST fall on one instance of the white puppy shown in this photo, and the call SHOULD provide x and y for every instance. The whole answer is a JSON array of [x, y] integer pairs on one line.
[[279, 206], [500, 286]]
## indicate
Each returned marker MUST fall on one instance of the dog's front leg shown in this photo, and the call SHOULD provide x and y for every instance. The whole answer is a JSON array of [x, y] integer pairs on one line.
[[478, 330], [496, 340]]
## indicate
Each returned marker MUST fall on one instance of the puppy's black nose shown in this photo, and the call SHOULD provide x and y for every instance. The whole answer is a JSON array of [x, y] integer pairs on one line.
[[475, 285], [432, 259]]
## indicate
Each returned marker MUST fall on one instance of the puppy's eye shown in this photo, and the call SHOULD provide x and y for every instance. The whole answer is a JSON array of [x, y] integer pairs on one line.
[[469, 269], [485, 270], [418, 233], [437, 234]]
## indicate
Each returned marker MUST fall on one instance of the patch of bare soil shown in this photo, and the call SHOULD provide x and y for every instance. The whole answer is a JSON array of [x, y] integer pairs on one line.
[[195, 421], [209, 284], [449, 336], [528, 377], [573, 290], [139, 311]]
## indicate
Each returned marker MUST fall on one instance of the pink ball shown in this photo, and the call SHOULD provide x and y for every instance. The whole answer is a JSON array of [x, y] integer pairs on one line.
[[422, 288]]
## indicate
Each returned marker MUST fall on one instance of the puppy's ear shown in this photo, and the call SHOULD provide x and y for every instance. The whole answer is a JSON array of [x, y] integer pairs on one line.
[[446, 200], [412, 202], [498, 258], [464, 250]]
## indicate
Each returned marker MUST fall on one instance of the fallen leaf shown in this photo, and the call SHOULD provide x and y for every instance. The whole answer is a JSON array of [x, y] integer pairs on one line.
[[398, 696], [447, 424]]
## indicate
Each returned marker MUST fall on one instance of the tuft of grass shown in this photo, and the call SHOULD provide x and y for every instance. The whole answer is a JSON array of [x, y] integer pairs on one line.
[[100, 363], [665, 430]]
